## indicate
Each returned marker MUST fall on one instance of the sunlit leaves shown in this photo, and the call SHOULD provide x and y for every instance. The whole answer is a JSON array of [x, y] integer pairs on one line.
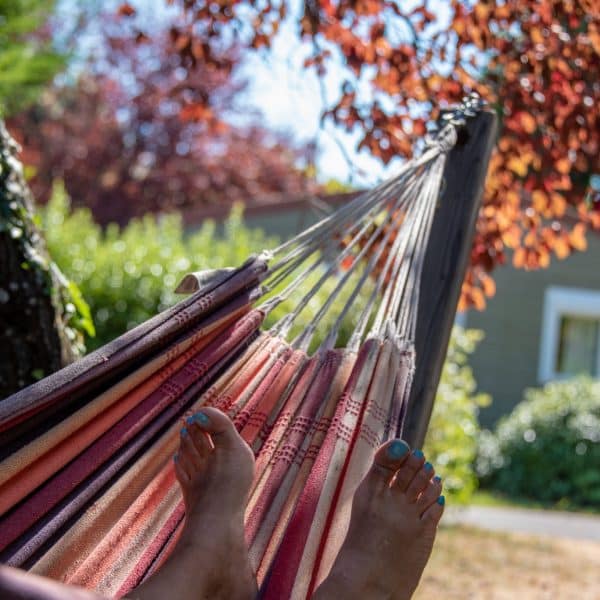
[[536, 62]]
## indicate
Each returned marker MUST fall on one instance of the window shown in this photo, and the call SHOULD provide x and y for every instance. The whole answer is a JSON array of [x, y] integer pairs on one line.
[[570, 340], [577, 345]]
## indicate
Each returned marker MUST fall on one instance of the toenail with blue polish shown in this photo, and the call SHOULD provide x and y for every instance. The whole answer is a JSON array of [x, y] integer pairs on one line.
[[437, 479], [175, 457], [397, 449], [428, 466], [183, 432], [441, 500], [190, 420], [201, 419], [418, 453]]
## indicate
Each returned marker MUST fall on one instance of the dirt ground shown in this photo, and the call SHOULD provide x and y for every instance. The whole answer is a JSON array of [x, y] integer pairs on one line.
[[474, 564]]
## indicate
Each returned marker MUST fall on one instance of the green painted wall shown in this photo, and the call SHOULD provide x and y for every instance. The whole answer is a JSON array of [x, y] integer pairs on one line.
[[506, 362], [284, 224]]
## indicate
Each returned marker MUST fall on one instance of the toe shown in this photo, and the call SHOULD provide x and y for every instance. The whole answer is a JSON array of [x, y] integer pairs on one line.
[[221, 429], [419, 482], [430, 494], [199, 437], [409, 469], [434, 513], [388, 459], [188, 450], [183, 468]]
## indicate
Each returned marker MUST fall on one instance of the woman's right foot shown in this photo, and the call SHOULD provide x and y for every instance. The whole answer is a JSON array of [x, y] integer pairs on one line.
[[395, 514], [215, 468]]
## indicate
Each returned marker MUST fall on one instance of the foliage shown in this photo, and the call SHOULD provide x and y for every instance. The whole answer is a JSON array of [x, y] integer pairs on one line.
[[118, 140], [548, 448], [27, 61], [535, 62], [451, 443], [127, 275]]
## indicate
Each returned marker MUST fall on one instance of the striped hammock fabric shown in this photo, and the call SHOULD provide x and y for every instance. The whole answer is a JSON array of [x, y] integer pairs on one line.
[[88, 493]]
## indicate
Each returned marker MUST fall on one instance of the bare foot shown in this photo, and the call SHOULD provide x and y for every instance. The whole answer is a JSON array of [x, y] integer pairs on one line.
[[395, 514], [215, 469]]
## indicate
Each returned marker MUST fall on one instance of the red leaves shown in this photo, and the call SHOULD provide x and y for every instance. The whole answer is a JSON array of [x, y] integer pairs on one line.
[[527, 122], [541, 74], [125, 10], [196, 112], [545, 82], [563, 165]]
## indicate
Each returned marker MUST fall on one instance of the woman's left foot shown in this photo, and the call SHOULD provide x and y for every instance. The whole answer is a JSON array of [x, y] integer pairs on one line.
[[215, 468], [395, 514]]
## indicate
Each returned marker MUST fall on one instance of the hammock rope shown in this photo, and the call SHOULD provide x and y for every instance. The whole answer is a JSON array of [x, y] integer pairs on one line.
[[88, 493]]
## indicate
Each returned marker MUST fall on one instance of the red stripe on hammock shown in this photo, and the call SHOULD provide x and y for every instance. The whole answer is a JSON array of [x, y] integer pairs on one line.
[[283, 571]]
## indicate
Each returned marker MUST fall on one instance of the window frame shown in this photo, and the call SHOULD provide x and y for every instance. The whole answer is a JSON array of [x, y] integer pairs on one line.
[[562, 301]]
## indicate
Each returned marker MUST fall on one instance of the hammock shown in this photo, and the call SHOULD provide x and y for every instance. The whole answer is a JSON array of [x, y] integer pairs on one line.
[[88, 494]]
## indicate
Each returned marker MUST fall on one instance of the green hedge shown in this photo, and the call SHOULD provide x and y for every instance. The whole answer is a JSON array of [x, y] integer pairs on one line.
[[127, 275], [548, 448]]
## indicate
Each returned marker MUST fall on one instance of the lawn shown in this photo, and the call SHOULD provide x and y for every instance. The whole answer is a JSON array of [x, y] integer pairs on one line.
[[487, 498], [474, 564]]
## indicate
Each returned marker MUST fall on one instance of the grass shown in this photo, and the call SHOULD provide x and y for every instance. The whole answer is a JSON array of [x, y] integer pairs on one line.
[[487, 498], [481, 565]]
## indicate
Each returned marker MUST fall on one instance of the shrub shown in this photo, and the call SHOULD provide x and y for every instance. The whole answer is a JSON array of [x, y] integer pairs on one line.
[[548, 448], [451, 443], [128, 275]]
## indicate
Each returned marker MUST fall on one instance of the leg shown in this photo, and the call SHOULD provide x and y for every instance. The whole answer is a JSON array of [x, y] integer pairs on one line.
[[215, 468], [395, 513]]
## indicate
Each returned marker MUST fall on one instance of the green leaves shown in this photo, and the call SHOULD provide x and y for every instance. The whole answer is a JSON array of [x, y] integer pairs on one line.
[[451, 443], [128, 275], [27, 60], [83, 316], [548, 448]]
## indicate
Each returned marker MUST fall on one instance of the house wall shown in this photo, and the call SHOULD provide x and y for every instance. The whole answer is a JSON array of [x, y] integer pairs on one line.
[[283, 224], [506, 361]]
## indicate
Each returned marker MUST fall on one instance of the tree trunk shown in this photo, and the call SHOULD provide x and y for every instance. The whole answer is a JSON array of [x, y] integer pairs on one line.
[[34, 338]]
